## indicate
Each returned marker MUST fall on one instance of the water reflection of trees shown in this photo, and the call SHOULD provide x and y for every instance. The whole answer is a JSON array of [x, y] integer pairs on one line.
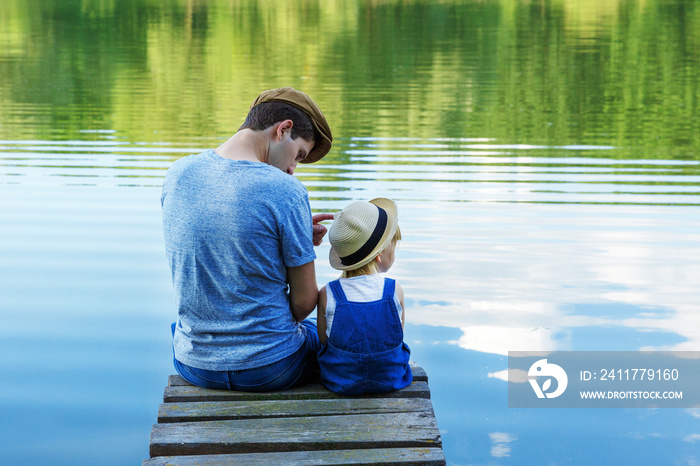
[[623, 73]]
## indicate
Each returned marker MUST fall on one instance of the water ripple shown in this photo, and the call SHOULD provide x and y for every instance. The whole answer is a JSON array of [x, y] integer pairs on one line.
[[440, 169]]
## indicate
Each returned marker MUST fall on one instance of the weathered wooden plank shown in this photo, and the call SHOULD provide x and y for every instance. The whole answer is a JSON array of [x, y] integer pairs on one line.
[[190, 393], [361, 431], [385, 457], [223, 410], [419, 375]]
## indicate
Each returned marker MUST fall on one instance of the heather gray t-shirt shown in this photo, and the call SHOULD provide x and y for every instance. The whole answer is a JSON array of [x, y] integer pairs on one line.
[[231, 228]]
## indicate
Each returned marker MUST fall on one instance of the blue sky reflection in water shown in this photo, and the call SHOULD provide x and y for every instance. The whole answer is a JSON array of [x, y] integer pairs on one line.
[[549, 201]]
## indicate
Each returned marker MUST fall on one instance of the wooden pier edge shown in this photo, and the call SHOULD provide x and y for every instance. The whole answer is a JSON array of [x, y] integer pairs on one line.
[[308, 425]]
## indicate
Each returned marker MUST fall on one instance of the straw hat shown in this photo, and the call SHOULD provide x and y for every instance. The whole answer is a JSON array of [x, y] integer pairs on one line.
[[361, 231], [303, 102]]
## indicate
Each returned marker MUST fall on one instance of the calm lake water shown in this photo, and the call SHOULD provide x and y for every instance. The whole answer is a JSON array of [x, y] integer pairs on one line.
[[544, 156]]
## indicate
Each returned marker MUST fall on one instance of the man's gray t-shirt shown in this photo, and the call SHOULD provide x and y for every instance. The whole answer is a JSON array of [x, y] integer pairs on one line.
[[231, 229]]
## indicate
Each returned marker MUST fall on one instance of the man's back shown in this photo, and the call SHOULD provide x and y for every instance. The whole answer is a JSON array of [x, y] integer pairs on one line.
[[231, 230]]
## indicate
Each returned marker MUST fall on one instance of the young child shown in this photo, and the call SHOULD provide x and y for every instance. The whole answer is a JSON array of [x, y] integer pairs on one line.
[[361, 314]]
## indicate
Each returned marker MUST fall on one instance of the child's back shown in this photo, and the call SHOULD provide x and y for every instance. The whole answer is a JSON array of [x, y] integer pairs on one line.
[[360, 316]]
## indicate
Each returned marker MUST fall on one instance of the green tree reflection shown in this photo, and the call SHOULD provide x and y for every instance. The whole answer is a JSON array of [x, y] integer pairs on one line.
[[623, 73]]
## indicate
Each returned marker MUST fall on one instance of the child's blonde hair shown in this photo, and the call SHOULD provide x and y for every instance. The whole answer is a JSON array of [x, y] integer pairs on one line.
[[372, 267]]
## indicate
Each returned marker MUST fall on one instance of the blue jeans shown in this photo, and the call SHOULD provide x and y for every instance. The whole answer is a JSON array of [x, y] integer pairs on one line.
[[288, 372]]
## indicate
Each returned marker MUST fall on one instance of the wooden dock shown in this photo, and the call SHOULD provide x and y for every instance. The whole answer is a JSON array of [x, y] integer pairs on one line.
[[302, 426]]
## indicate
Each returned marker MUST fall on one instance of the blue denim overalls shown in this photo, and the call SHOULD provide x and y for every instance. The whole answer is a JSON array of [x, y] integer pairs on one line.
[[365, 352]]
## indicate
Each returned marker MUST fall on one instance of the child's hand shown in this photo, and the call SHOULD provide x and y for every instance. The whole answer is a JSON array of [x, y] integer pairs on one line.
[[319, 231]]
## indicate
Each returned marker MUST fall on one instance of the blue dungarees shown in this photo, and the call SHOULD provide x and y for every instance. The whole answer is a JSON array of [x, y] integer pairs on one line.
[[365, 352]]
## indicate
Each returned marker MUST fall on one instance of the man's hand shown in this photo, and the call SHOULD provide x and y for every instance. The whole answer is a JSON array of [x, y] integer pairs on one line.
[[319, 230]]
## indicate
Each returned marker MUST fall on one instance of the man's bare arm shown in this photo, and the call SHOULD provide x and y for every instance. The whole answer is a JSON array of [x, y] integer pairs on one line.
[[321, 314], [303, 291]]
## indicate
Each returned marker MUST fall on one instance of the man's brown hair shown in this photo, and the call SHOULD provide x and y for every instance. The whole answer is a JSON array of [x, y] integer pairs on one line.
[[264, 115]]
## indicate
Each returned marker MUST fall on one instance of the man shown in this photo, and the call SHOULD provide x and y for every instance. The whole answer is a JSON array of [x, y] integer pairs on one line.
[[239, 238]]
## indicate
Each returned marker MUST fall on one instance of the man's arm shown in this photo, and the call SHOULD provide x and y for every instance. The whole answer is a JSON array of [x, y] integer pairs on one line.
[[303, 291], [321, 315]]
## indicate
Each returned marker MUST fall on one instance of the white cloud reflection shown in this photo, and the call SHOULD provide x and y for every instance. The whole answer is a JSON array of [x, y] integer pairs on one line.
[[510, 375], [499, 340], [527, 277], [500, 444]]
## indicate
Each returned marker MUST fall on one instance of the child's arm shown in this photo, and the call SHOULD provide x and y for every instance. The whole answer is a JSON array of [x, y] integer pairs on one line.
[[399, 294], [321, 315]]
